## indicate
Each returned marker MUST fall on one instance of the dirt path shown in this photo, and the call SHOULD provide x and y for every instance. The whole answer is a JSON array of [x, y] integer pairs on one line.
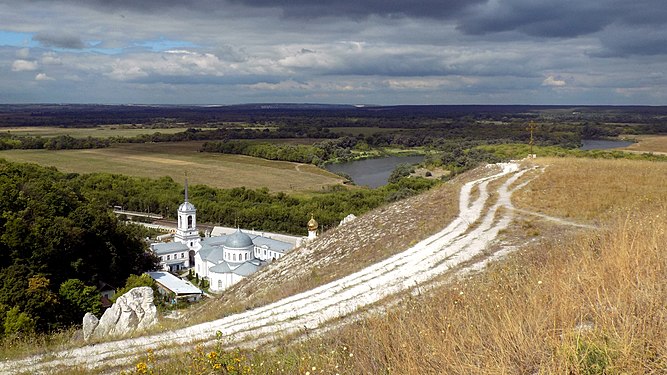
[[477, 225]]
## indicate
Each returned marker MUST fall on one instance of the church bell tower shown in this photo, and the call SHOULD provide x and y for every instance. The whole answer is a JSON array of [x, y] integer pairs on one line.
[[187, 232]]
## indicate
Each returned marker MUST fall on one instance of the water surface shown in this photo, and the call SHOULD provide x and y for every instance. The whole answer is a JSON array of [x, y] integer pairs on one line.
[[598, 144], [372, 172]]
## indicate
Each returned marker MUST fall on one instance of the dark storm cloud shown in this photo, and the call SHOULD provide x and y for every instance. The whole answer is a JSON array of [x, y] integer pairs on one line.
[[560, 19], [363, 8], [637, 42], [59, 40], [296, 8]]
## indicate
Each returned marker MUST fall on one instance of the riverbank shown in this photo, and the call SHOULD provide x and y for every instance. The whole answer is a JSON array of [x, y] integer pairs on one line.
[[376, 153]]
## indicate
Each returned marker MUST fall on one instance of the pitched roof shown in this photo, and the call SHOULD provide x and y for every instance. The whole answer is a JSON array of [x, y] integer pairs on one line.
[[173, 283], [274, 245], [246, 269], [169, 247]]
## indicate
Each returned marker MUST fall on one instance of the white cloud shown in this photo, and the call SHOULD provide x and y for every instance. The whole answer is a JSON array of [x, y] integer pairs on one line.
[[24, 66], [43, 77], [553, 82]]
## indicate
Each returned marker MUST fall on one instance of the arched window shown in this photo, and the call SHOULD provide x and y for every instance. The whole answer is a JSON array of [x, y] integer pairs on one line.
[[189, 221], [235, 257]]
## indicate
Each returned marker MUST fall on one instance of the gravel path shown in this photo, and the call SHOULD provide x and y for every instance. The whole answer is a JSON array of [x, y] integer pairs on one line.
[[467, 236]]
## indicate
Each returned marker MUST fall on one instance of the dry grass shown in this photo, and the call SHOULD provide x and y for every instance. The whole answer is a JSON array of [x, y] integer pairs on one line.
[[649, 143], [591, 304], [591, 189], [155, 160]]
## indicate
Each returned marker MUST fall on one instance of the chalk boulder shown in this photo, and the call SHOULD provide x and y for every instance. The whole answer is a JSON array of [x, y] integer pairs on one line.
[[90, 322], [347, 219], [133, 311]]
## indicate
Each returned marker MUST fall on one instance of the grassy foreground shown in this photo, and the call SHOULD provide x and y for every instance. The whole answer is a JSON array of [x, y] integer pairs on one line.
[[590, 302]]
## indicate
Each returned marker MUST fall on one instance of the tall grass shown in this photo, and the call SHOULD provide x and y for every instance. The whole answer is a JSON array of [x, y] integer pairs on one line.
[[590, 304], [593, 304], [592, 189]]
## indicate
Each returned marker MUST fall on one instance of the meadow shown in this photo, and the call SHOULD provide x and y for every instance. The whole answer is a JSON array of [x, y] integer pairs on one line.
[[154, 160], [649, 143], [100, 131]]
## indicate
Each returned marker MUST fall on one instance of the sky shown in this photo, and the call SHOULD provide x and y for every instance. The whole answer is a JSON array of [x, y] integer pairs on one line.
[[383, 52]]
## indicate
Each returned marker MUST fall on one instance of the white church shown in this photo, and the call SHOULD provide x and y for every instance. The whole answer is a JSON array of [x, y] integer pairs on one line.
[[223, 259]]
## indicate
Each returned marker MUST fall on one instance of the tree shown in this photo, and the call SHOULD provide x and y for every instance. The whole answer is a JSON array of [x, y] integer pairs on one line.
[[18, 322], [401, 170], [78, 299]]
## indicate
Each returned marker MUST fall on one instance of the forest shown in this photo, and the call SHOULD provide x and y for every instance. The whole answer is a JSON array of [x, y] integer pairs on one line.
[[56, 246]]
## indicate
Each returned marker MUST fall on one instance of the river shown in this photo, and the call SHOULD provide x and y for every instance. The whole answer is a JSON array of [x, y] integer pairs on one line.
[[372, 172], [598, 144]]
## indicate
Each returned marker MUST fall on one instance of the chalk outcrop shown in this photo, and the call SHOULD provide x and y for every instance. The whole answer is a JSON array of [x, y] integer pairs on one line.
[[133, 311]]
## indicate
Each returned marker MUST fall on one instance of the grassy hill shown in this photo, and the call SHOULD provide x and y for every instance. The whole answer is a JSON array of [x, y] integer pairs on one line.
[[569, 300]]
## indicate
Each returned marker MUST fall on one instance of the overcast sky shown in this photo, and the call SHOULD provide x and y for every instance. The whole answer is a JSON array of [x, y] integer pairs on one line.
[[343, 51]]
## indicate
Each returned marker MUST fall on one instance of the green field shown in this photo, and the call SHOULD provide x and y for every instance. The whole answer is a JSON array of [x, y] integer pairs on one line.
[[102, 131], [155, 160]]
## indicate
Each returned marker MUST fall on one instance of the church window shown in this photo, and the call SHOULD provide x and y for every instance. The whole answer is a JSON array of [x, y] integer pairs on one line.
[[219, 284], [264, 251], [246, 256], [234, 257], [182, 255], [168, 257], [189, 221]]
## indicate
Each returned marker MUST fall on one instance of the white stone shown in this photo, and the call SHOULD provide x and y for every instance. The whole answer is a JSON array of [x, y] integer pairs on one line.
[[347, 219], [132, 311], [90, 322]]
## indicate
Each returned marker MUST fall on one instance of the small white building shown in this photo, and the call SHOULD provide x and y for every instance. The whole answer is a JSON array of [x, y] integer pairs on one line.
[[181, 290]]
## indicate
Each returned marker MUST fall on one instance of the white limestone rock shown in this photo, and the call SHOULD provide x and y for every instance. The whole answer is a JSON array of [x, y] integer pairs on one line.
[[347, 219], [132, 311], [90, 322]]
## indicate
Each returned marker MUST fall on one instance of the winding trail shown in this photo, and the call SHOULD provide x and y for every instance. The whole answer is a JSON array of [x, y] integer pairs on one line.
[[477, 225]]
